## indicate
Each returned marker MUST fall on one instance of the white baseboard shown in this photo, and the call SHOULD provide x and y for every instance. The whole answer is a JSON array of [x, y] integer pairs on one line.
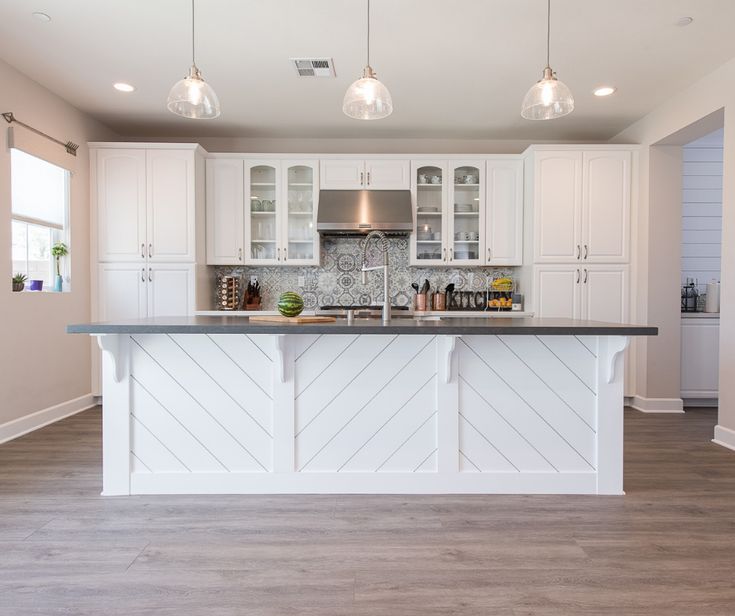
[[724, 437], [23, 425], [657, 405]]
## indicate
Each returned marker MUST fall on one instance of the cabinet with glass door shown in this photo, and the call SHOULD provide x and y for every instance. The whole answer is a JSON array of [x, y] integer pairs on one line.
[[299, 239], [263, 219], [466, 216], [429, 195]]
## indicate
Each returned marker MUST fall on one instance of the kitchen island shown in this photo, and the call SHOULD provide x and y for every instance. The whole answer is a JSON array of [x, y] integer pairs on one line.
[[461, 405]]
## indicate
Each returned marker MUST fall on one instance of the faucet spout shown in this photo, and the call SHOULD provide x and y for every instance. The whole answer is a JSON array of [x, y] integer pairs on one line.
[[383, 239]]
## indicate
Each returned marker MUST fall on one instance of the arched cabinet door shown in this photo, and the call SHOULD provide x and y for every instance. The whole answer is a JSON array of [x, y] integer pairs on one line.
[[466, 241], [429, 193], [263, 213], [299, 239]]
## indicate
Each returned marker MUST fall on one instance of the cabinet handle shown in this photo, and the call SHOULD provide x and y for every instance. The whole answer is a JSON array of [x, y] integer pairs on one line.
[[368, 183], [577, 276], [585, 276], [578, 251], [489, 254], [142, 274], [451, 254], [150, 250], [278, 258], [444, 252], [150, 275], [586, 252], [142, 251], [285, 254], [362, 178], [239, 254]]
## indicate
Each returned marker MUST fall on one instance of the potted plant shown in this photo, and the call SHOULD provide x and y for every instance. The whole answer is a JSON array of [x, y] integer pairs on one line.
[[59, 250], [19, 282]]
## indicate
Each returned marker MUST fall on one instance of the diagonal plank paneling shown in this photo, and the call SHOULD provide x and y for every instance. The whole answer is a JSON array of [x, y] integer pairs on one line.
[[365, 411], [199, 402], [519, 389]]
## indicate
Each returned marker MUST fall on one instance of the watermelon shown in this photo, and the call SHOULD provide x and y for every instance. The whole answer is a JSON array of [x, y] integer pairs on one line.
[[290, 304]]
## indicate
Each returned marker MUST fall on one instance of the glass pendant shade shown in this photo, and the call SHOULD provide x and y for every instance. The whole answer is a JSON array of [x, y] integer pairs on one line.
[[547, 99], [192, 97], [367, 98]]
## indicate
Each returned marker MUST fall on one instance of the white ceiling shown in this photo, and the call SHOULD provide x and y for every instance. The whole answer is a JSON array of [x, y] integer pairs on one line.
[[455, 69]]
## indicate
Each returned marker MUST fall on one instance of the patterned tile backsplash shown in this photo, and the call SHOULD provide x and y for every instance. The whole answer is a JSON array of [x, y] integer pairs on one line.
[[337, 280]]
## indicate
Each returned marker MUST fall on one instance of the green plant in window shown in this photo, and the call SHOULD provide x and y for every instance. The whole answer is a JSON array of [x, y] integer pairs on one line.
[[58, 250], [19, 282]]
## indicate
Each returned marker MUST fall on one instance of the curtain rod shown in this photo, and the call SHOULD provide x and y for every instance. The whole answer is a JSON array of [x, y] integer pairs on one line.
[[70, 146]]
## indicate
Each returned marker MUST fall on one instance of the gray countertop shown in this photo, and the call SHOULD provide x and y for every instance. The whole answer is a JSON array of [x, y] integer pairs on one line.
[[452, 326]]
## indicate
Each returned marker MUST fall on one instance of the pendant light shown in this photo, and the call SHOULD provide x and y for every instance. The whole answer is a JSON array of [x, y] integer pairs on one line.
[[192, 97], [548, 98], [367, 98]]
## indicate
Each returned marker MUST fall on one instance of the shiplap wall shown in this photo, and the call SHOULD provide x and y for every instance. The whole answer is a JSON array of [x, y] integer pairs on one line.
[[702, 209]]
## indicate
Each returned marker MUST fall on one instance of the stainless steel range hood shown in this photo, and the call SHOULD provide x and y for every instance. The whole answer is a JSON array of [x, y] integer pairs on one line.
[[349, 212]]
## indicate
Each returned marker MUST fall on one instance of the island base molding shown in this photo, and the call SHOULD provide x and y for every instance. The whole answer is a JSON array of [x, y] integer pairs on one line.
[[362, 413]]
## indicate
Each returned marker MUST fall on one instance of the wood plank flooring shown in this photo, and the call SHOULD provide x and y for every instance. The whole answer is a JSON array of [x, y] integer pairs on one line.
[[668, 547]]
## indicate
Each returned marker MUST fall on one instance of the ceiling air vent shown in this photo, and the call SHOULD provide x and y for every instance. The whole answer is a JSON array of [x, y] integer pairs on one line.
[[314, 67]]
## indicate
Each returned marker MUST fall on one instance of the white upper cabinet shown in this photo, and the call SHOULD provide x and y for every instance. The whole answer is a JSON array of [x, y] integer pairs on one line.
[[504, 213], [146, 205], [225, 211], [557, 206], [387, 174], [358, 174], [582, 206], [171, 205], [606, 207], [121, 204]]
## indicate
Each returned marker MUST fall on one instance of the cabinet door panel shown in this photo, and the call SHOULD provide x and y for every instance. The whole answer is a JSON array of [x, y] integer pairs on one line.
[[466, 212], [171, 205], [557, 291], [300, 240], [225, 207], [430, 238], [170, 290], [264, 207], [700, 357], [605, 293], [606, 207], [337, 174], [122, 291], [557, 206], [387, 174], [504, 213], [121, 207]]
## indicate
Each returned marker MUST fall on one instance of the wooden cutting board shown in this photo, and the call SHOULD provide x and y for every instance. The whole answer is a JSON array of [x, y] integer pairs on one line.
[[277, 318]]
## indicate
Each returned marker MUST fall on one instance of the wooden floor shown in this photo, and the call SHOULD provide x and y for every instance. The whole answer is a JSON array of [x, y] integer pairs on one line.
[[668, 547]]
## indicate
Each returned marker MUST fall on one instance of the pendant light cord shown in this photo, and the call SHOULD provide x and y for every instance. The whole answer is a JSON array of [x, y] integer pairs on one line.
[[193, 60], [368, 32], [548, 29]]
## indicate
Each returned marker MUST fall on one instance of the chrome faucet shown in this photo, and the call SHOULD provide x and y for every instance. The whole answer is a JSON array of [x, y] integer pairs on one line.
[[379, 235]]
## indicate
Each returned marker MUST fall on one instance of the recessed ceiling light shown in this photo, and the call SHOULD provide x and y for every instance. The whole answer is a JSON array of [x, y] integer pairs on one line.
[[123, 87], [604, 91], [684, 21], [41, 16]]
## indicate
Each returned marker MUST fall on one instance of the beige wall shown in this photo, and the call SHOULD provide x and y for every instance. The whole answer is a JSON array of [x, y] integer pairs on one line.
[[40, 365], [714, 92]]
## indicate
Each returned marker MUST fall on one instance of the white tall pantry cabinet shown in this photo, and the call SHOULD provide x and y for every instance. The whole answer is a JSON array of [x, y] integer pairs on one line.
[[147, 221]]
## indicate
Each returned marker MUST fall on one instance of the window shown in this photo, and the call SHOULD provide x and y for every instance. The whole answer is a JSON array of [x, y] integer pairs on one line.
[[40, 212]]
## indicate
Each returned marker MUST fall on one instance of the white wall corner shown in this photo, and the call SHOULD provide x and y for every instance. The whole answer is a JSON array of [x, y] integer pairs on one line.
[[657, 405], [23, 425], [724, 437]]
